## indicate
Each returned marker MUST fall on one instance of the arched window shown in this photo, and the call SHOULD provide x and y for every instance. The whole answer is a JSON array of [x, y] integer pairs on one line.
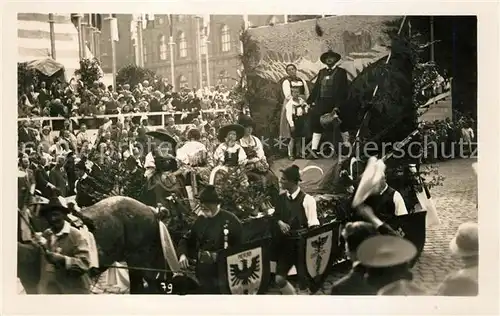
[[225, 39], [163, 47], [183, 82], [203, 42], [182, 45]]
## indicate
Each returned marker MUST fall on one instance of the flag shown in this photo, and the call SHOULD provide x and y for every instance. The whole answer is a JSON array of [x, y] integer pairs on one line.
[[114, 29], [206, 25], [171, 25], [246, 23]]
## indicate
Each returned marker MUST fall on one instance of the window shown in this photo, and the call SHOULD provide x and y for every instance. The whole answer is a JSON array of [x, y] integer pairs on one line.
[[225, 39], [183, 83], [203, 42], [163, 47], [182, 45], [223, 77]]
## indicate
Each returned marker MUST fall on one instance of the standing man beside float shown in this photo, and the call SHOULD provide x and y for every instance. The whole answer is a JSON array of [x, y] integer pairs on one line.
[[295, 212], [214, 230], [329, 92]]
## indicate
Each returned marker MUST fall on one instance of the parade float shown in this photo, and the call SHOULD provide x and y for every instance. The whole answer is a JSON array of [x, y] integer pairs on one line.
[[385, 72]]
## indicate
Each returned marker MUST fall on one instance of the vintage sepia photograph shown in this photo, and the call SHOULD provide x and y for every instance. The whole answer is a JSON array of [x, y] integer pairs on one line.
[[184, 154]]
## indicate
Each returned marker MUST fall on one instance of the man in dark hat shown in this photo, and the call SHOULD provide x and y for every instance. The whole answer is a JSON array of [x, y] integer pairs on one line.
[[329, 92], [295, 211], [215, 229], [67, 256]]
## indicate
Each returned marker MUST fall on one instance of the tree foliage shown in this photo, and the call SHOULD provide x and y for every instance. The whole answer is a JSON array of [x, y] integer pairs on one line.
[[89, 71], [25, 78], [134, 75]]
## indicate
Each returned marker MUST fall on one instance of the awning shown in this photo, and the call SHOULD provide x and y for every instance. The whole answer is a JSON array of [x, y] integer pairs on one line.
[[46, 66], [33, 40]]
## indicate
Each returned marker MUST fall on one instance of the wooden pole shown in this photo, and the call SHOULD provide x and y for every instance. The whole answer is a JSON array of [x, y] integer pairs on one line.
[[113, 49], [84, 41], [52, 36], [207, 62], [172, 65], [198, 42], [432, 39], [79, 29], [140, 42]]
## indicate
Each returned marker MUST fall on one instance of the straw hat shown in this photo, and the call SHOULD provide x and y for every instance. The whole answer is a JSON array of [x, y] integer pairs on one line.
[[224, 130], [466, 241], [385, 251]]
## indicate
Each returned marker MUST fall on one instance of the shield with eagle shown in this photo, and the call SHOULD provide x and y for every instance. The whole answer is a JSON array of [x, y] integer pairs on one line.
[[245, 269], [318, 249]]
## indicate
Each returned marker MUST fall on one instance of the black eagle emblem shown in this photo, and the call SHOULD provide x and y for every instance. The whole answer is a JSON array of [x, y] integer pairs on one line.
[[318, 244], [247, 274]]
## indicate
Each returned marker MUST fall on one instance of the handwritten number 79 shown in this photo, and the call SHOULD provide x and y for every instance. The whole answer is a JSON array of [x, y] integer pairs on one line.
[[167, 287]]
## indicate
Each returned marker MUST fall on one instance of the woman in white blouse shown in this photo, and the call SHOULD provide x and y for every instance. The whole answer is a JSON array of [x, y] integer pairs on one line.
[[291, 80], [230, 153], [257, 167]]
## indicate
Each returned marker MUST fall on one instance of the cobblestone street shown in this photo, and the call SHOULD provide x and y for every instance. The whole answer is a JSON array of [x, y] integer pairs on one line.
[[456, 203]]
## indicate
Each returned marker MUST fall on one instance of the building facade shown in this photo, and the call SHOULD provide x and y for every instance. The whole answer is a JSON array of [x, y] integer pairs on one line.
[[223, 46]]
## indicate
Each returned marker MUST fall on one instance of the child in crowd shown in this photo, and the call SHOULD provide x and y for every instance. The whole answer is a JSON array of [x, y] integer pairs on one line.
[[296, 115]]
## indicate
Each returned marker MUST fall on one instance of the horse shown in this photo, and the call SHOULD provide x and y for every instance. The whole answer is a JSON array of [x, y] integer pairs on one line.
[[125, 230]]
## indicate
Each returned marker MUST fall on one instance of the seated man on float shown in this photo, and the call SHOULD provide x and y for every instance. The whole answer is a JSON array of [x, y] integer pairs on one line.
[[194, 162], [256, 166], [230, 153], [385, 202], [295, 212]]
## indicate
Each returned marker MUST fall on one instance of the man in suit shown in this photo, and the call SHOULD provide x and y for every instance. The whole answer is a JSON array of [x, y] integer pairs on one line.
[[329, 92], [26, 135], [58, 176]]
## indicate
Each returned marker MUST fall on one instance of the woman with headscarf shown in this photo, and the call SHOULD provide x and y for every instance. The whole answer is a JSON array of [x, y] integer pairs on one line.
[[291, 80]]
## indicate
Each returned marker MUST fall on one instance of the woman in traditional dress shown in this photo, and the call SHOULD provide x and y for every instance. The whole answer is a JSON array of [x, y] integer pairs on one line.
[[230, 153], [291, 80], [256, 167], [194, 162]]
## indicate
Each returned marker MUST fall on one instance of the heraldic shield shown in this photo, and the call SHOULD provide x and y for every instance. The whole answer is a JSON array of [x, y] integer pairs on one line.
[[318, 249], [245, 269], [411, 227]]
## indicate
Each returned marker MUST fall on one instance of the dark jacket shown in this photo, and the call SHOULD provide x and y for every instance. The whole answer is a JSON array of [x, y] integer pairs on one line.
[[338, 88], [59, 178], [353, 283]]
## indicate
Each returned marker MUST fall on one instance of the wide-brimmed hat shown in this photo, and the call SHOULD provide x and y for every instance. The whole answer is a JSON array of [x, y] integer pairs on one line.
[[164, 135], [402, 287], [55, 203], [246, 121], [385, 251], [224, 130], [292, 173], [466, 241], [329, 53], [209, 195]]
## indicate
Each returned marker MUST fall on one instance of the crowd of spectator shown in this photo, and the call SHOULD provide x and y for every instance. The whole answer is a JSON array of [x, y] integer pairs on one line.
[[74, 99]]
